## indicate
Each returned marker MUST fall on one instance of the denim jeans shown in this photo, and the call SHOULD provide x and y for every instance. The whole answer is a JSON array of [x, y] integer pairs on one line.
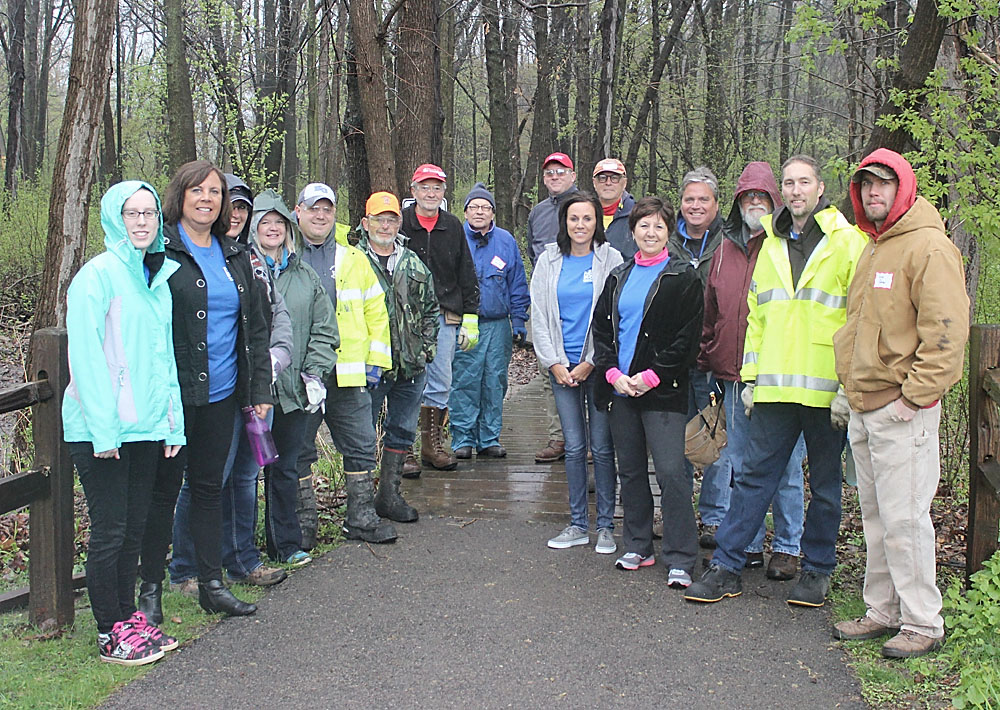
[[402, 398], [787, 507], [661, 434], [439, 370], [478, 386], [118, 494], [713, 501], [281, 486], [348, 416], [579, 416], [775, 427]]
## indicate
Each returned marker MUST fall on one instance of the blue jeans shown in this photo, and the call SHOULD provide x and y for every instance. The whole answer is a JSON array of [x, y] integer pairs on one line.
[[402, 399], [281, 486], [439, 370], [775, 428], [787, 507], [478, 386], [240, 555], [578, 414], [349, 418], [713, 501]]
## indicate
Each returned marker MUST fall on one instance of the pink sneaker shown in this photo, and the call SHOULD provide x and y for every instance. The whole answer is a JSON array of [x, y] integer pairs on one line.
[[140, 623], [127, 647]]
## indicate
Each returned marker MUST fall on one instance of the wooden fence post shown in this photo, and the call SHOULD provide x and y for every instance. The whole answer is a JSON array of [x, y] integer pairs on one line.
[[984, 449], [50, 567]]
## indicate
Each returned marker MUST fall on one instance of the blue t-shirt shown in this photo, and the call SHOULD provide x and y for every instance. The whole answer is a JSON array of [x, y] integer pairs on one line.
[[575, 292], [223, 316], [630, 305]]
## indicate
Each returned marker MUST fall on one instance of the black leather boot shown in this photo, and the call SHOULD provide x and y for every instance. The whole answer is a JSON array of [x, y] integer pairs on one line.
[[361, 521], [150, 595], [388, 502], [214, 597]]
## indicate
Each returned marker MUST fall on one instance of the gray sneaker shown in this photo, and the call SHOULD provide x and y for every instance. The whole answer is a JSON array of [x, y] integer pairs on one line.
[[678, 579], [605, 542], [571, 536]]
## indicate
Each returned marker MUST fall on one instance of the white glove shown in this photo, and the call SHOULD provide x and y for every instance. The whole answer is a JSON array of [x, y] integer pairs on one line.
[[747, 398], [274, 368], [315, 393], [840, 411]]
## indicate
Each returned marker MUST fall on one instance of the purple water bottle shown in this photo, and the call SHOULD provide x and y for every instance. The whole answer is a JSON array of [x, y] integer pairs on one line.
[[259, 436]]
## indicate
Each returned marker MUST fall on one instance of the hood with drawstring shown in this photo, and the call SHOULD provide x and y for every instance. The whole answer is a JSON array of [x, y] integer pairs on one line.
[[755, 176], [116, 239], [906, 193], [270, 201]]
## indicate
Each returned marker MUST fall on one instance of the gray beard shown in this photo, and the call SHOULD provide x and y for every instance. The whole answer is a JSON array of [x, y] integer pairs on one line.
[[752, 221]]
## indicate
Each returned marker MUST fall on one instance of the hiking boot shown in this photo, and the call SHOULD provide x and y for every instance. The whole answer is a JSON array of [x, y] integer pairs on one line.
[[388, 502], [214, 597], [715, 585], [127, 647], [361, 521], [463, 452], [755, 560], [553, 451], [307, 512], [152, 633], [571, 536], [811, 589], [861, 629], [633, 560], [493, 452], [782, 566], [411, 469], [150, 602], [263, 576], [707, 539], [910, 644], [188, 587], [433, 450], [605, 542], [678, 579]]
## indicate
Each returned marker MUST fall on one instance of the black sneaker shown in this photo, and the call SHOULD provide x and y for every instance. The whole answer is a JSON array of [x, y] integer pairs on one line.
[[714, 586], [811, 589]]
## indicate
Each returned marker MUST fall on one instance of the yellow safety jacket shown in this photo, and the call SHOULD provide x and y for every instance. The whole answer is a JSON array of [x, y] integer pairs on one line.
[[362, 318], [788, 350]]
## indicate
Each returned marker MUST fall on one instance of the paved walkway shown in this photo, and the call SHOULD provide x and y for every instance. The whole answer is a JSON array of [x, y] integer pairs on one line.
[[469, 609]]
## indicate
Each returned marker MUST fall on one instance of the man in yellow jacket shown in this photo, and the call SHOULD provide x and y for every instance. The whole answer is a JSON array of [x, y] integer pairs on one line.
[[797, 301], [364, 353], [902, 348]]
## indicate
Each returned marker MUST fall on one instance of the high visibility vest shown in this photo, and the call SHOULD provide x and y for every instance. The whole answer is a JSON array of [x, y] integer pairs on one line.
[[788, 350], [362, 318]]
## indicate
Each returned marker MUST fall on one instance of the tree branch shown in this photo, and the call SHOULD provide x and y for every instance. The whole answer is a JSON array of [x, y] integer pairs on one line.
[[383, 28]]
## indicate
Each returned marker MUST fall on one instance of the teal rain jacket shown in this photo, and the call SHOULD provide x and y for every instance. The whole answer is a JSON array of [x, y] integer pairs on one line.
[[123, 379]]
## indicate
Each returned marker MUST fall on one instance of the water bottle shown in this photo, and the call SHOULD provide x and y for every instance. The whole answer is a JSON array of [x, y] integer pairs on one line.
[[259, 437]]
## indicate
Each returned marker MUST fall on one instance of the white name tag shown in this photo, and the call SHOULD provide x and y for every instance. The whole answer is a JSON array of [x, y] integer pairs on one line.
[[498, 262], [883, 279], [588, 276]]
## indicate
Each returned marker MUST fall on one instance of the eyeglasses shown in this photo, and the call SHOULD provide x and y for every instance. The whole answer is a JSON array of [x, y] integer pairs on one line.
[[320, 209], [752, 195], [550, 172], [384, 220], [436, 189], [132, 215], [613, 178], [479, 208]]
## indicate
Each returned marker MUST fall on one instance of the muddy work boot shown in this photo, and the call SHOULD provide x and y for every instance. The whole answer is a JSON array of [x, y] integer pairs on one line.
[[388, 502], [307, 512], [411, 469], [433, 450], [361, 521]]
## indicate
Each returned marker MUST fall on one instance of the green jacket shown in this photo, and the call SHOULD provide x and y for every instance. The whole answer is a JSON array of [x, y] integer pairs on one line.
[[412, 305], [315, 337]]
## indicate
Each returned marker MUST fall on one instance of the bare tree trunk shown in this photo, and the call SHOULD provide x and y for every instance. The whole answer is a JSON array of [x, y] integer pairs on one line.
[[288, 24], [180, 110], [584, 146], [502, 119], [785, 69], [15, 87], [372, 95], [560, 58], [89, 70], [29, 142], [446, 31], [612, 21], [543, 129], [332, 151], [358, 180], [110, 172]]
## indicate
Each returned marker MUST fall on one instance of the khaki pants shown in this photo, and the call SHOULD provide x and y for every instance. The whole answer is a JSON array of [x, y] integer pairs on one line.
[[898, 469], [551, 414]]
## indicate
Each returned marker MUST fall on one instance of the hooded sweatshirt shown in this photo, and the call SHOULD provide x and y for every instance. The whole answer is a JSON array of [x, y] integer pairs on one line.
[[725, 322], [907, 310], [123, 378]]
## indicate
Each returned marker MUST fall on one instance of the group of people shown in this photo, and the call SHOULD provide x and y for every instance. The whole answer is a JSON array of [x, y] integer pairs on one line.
[[218, 309]]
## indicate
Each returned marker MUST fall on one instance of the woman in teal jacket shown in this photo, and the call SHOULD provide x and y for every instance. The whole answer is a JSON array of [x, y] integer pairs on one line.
[[122, 408]]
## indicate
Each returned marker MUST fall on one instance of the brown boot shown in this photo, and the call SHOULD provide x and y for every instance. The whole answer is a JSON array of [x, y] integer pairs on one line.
[[782, 566], [411, 469], [553, 451], [909, 644], [433, 451]]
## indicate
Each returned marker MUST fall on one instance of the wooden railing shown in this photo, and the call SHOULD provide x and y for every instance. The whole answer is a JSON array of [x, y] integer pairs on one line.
[[47, 489], [984, 446]]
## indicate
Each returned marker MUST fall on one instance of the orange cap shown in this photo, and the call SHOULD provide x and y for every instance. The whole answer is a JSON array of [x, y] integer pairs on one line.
[[381, 202]]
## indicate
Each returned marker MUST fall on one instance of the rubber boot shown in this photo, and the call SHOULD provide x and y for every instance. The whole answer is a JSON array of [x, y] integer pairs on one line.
[[361, 521], [432, 449], [411, 469], [214, 597], [150, 602], [307, 512], [388, 502]]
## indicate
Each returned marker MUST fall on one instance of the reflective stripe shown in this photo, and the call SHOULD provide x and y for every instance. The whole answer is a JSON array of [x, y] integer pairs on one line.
[[807, 294], [753, 286], [374, 290], [819, 384], [381, 348], [350, 294], [350, 368], [749, 357]]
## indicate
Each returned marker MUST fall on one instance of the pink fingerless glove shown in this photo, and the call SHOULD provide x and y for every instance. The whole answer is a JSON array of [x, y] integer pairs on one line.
[[650, 378], [612, 375]]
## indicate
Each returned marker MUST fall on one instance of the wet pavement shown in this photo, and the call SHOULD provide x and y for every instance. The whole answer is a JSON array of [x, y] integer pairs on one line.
[[469, 609]]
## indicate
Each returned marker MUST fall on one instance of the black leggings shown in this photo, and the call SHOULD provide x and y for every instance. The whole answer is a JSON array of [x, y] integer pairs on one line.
[[209, 431]]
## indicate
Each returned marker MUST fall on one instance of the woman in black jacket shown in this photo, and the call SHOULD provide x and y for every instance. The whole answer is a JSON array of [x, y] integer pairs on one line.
[[646, 328], [221, 348]]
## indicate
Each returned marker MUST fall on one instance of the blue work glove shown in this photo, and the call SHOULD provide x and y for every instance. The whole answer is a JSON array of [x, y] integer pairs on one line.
[[373, 375], [520, 332]]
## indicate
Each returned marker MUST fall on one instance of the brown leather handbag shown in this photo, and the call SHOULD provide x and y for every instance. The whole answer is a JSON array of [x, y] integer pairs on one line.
[[705, 435]]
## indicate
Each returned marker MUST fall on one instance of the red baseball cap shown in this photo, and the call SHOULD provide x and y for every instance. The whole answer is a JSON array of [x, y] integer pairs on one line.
[[429, 171], [560, 158]]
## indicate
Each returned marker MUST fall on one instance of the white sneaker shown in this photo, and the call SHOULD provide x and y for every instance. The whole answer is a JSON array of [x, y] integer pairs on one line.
[[571, 536], [678, 579], [605, 542]]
